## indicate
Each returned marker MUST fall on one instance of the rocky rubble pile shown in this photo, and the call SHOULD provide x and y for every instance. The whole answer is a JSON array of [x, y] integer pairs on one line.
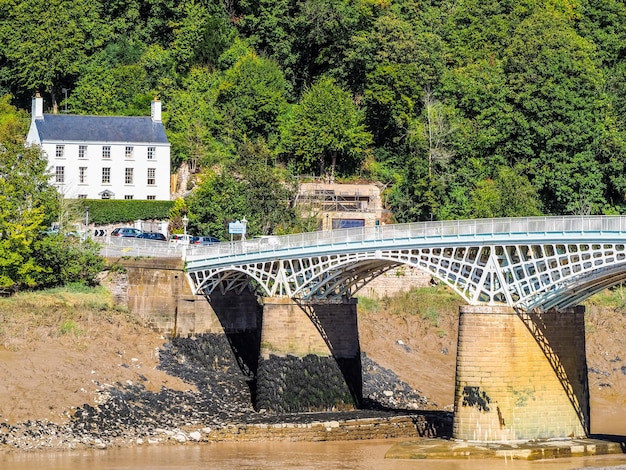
[[220, 395], [383, 389]]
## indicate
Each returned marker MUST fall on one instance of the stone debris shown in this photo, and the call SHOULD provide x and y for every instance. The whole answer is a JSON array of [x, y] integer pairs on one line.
[[218, 405]]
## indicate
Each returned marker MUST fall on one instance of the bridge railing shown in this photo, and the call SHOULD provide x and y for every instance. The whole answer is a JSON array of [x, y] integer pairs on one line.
[[417, 230], [122, 246]]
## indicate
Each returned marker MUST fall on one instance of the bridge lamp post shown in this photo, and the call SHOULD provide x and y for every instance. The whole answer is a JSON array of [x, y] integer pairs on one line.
[[86, 222], [185, 240]]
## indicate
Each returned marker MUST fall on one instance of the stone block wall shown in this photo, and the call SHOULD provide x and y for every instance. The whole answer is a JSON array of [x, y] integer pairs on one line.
[[520, 377], [158, 294], [394, 281], [302, 358], [309, 357]]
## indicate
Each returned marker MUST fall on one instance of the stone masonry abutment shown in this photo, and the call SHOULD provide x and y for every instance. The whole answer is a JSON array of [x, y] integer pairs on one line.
[[310, 358], [298, 357], [520, 376]]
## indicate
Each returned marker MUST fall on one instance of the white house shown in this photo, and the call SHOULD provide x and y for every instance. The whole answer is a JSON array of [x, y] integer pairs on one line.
[[104, 157]]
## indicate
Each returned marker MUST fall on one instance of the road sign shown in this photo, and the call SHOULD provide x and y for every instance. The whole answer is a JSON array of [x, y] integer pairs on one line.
[[237, 228]]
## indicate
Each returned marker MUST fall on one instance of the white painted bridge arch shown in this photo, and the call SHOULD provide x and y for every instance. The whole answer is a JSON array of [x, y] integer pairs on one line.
[[527, 263]]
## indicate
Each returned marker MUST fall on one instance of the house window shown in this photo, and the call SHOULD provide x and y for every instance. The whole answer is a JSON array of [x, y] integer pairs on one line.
[[82, 174], [82, 196], [60, 151], [106, 151], [106, 176], [128, 176], [152, 176], [60, 174], [348, 223], [151, 198], [128, 196], [151, 152], [129, 152], [82, 151]]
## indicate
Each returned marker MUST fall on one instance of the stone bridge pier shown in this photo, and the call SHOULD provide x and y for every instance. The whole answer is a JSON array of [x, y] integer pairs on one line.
[[520, 376], [310, 359]]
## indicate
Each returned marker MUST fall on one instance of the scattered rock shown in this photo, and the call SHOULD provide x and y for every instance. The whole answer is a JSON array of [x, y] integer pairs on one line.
[[219, 396]]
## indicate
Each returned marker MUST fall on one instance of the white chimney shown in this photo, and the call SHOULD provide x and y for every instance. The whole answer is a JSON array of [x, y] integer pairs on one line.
[[156, 110], [37, 111]]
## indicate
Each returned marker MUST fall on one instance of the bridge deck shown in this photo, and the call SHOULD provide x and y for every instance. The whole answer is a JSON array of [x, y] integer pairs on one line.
[[528, 263]]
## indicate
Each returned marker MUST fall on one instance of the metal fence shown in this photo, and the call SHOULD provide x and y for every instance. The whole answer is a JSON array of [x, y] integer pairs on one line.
[[140, 247]]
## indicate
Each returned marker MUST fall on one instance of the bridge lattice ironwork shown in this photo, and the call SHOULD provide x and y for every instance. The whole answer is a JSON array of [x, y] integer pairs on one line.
[[527, 263]]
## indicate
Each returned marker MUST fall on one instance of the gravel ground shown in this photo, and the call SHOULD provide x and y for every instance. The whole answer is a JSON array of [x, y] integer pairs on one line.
[[219, 396]]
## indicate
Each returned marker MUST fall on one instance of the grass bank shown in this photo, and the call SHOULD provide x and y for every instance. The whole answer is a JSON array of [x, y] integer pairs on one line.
[[74, 312]]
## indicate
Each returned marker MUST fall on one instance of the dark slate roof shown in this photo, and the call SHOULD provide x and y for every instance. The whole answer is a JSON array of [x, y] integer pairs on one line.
[[74, 128]]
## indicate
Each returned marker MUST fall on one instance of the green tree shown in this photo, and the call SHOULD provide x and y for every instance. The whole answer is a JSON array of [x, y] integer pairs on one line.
[[13, 122], [45, 42], [201, 35], [63, 260], [218, 200], [418, 193], [326, 129], [252, 94], [270, 27], [480, 94], [26, 202], [509, 194], [477, 30], [603, 22], [122, 80], [398, 58], [256, 192], [556, 91], [195, 122]]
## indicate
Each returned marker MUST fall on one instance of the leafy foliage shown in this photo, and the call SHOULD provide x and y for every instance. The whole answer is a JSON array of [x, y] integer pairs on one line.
[[256, 194], [467, 109], [27, 205], [108, 211], [39, 53], [63, 260], [25, 202], [326, 129]]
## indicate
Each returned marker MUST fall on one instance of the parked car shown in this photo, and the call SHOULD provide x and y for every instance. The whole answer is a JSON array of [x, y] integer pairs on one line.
[[72, 230], [57, 232], [153, 236], [205, 240], [181, 239], [126, 232], [267, 240]]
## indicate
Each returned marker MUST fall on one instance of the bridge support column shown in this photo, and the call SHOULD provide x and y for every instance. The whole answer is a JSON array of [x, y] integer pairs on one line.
[[310, 358], [520, 377]]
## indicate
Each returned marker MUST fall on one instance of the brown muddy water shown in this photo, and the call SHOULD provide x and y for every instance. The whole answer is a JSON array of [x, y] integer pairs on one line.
[[276, 455]]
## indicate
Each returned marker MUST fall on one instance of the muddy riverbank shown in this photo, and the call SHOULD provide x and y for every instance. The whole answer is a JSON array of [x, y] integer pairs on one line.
[[81, 373], [216, 405]]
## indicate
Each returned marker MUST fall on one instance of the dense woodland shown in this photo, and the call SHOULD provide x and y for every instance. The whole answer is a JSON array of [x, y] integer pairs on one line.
[[458, 108]]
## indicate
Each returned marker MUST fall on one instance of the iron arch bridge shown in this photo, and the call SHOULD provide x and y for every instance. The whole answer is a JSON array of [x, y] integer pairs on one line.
[[535, 263]]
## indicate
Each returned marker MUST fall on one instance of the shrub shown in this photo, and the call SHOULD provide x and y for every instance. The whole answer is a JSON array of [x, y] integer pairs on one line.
[[111, 211], [64, 260]]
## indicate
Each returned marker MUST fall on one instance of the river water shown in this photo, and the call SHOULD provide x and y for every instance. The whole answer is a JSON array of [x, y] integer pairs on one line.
[[275, 455]]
